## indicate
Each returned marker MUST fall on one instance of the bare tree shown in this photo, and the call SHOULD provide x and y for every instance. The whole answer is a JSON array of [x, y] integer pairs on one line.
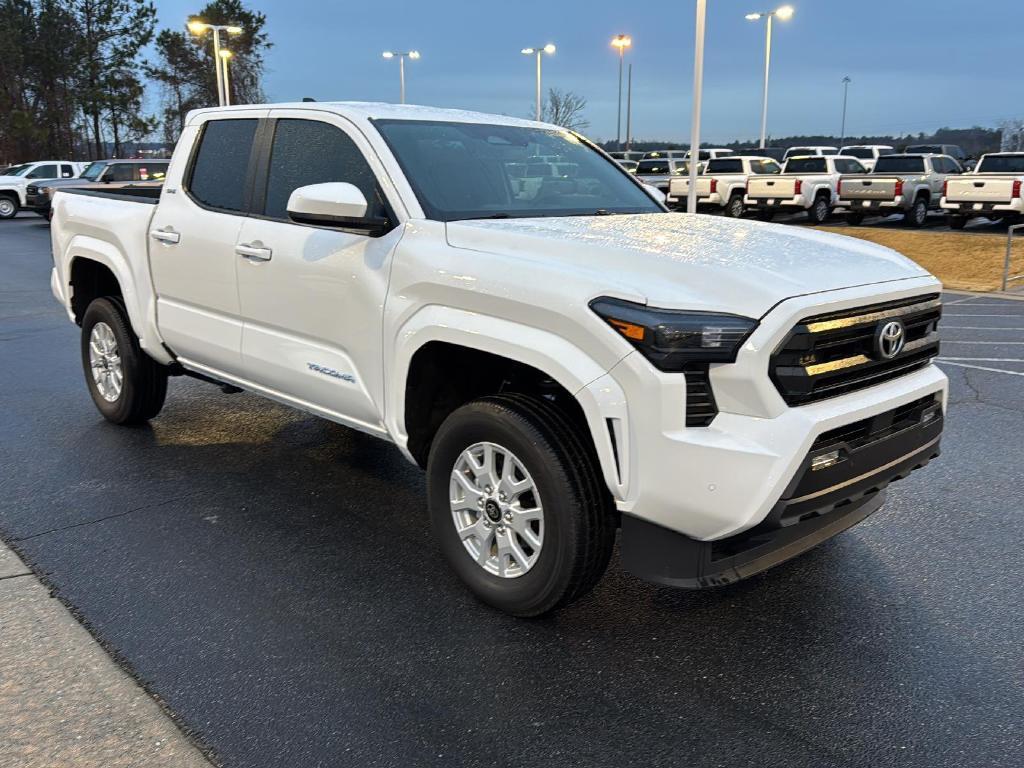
[[565, 108], [1013, 135]]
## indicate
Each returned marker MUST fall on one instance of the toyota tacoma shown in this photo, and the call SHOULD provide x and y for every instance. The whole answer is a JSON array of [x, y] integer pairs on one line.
[[566, 358]]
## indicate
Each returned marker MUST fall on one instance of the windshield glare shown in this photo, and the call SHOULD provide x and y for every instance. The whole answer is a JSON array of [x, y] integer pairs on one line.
[[471, 171], [93, 171]]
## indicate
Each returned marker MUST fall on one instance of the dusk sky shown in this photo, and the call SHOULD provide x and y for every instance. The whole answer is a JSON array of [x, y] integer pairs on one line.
[[916, 65]]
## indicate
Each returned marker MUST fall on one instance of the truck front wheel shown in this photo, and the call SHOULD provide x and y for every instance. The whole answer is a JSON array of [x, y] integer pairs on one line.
[[517, 504], [8, 207], [127, 385]]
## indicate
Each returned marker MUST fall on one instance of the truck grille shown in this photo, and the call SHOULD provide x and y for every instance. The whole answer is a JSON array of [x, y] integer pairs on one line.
[[832, 354]]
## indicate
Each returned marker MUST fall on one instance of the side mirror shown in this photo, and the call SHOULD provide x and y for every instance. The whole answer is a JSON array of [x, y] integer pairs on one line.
[[334, 204]]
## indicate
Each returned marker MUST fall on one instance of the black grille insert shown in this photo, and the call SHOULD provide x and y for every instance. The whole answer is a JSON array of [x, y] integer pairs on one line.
[[832, 354], [701, 408]]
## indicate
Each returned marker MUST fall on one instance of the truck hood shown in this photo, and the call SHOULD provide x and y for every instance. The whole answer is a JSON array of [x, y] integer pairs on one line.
[[677, 260], [13, 180]]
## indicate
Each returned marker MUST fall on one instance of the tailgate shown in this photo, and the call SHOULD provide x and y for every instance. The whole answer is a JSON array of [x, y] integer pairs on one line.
[[978, 190], [862, 188], [681, 187], [771, 187]]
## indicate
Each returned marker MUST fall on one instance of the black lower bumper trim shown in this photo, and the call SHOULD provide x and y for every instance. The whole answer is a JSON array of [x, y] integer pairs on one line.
[[666, 557]]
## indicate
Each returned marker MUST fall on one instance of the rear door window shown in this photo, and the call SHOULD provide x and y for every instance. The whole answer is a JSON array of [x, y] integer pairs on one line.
[[66, 171], [220, 169], [806, 165], [43, 172], [725, 165]]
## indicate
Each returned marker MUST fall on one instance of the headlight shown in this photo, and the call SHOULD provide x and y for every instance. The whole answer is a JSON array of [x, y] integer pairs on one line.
[[673, 339], [48, 191]]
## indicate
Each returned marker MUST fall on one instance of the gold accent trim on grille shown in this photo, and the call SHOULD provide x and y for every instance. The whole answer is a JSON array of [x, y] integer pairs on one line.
[[847, 322], [850, 362]]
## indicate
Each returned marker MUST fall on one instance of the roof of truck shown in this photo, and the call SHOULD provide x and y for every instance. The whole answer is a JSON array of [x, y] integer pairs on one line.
[[370, 110]]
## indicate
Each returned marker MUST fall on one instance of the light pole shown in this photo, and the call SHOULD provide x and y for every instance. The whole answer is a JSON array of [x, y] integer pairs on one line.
[[698, 92], [846, 91], [629, 107], [538, 52], [402, 56], [198, 27], [622, 42], [783, 13], [225, 56]]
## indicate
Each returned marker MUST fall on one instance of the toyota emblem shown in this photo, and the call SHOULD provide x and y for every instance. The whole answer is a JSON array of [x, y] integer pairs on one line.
[[890, 338]]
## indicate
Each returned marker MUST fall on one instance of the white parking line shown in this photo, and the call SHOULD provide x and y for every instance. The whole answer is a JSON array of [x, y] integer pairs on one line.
[[988, 314], [982, 368], [977, 328]]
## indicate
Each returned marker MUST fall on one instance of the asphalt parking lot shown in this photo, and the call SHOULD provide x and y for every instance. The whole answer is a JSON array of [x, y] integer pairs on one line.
[[271, 579]]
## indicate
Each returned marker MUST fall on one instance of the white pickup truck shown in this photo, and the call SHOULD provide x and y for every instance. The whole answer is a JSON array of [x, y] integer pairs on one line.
[[806, 184], [562, 358], [992, 190], [722, 185], [907, 184], [15, 181]]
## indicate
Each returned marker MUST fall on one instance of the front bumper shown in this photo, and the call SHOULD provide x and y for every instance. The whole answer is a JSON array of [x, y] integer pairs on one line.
[[820, 502], [38, 203]]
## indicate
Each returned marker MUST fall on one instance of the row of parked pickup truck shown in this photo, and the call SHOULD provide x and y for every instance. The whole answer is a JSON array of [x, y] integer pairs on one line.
[[30, 186], [912, 184]]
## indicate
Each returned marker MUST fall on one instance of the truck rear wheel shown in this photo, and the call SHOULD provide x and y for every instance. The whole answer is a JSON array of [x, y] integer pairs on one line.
[[734, 209], [127, 385], [517, 504], [819, 210], [917, 215], [8, 207]]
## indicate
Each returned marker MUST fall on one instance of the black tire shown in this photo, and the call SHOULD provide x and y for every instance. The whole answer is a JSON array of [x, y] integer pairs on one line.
[[9, 206], [765, 215], [144, 384], [854, 218], [579, 517], [957, 222], [917, 215], [819, 211], [735, 209]]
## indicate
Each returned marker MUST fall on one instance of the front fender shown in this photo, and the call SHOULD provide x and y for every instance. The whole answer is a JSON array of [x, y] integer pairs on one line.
[[602, 401]]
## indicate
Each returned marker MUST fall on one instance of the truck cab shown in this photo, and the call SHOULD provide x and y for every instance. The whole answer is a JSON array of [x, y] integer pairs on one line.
[[868, 154]]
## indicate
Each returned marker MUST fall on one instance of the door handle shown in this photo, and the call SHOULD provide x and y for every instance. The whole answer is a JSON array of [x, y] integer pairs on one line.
[[254, 251], [166, 235]]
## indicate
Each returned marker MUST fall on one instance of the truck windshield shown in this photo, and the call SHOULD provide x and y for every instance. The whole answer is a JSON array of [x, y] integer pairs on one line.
[[1002, 164], [473, 171], [94, 170], [897, 164], [806, 165], [17, 170]]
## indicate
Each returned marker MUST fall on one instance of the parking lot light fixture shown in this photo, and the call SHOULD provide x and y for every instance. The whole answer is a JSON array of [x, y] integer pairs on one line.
[[402, 56], [198, 27], [621, 42], [783, 12], [225, 56], [539, 51]]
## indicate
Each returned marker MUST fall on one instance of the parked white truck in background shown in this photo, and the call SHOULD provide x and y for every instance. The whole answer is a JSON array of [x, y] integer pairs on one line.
[[992, 190], [868, 154], [907, 184], [805, 184], [16, 179], [559, 359], [722, 185]]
